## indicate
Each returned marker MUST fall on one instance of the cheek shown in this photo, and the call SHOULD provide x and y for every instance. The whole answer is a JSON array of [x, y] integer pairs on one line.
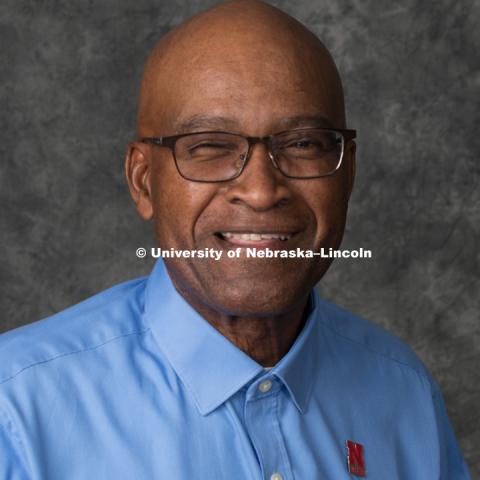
[[329, 207], [177, 205]]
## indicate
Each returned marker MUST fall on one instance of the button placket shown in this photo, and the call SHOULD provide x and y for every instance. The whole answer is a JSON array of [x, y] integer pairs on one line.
[[261, 419]]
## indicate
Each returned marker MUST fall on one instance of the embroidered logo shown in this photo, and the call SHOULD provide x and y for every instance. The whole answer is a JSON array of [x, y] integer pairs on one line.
[[355, 461]]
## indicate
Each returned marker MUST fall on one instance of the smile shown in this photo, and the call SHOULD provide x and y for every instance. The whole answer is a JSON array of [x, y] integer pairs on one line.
[[254, 237], [263, 239]]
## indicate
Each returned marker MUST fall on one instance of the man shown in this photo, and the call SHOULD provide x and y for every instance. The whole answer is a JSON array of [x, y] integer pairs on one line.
[[228, 368]]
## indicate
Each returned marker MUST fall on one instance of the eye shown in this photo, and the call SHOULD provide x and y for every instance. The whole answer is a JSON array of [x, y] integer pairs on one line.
[[214, 147], [207, 145], [210, 150], [317, 143], [304, 143]]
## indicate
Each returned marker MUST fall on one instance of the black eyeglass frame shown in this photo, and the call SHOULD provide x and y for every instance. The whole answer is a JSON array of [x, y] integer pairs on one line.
[[171, 140]]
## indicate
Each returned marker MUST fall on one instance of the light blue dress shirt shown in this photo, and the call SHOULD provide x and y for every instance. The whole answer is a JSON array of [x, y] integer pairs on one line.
[[132, 384]]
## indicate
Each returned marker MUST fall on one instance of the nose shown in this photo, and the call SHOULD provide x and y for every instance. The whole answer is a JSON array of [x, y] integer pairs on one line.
[[261, 185]]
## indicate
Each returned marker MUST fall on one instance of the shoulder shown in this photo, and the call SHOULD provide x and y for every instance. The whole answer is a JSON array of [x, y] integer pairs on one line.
[[102, 318], [370, 340]]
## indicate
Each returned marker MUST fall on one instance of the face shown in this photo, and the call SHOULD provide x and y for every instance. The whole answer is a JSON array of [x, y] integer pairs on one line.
[[256, 96]]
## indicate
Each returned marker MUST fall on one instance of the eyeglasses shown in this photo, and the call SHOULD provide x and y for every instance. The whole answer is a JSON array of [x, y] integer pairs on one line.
[[221, 156]]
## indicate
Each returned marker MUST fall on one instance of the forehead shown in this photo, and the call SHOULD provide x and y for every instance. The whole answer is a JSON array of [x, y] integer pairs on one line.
[[238, 92]]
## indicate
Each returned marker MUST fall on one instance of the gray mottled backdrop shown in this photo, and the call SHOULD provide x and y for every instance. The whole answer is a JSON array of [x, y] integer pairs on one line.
[[69, 78]]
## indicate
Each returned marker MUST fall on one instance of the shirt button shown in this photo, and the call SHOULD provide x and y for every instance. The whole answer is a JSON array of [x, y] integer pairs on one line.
[[265, 386], [276, 476]]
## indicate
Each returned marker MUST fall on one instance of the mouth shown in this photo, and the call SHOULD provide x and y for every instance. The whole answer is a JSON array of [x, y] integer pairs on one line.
[[256, 239]]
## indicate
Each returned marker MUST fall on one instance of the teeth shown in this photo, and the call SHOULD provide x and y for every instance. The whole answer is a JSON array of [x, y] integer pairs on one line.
[[255, 236]]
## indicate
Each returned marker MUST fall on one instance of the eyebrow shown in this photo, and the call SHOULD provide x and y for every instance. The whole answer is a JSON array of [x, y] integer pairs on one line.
[[205, 121], [216, 122], [298, 121]]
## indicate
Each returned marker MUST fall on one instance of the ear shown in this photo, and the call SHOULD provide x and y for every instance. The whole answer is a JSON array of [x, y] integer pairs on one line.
[[138, 174], [351, 150]]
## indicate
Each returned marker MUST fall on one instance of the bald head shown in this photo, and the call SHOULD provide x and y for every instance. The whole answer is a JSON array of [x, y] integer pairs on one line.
[[234, 47]]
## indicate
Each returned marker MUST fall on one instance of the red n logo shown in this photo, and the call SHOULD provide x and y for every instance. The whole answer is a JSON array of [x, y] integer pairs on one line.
[[355, 461]]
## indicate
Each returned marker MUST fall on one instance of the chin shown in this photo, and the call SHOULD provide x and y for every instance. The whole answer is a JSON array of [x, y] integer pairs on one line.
[[249, 289], [256, 300]]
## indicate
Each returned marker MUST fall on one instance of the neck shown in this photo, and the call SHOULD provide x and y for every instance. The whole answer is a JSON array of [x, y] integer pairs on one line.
[[266, 339]]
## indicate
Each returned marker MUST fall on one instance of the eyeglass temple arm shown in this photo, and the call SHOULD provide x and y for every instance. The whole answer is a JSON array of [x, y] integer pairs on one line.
[[348, 134], [154, 140]]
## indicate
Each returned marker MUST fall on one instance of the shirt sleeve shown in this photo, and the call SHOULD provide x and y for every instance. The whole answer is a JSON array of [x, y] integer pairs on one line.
[[12, 466], [452, 463]]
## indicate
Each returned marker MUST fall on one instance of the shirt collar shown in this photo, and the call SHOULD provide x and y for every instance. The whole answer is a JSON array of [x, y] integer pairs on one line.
[[298, 367], [209, 365]]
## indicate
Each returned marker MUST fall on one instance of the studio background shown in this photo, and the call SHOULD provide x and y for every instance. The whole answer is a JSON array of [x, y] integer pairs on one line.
[[69, 79]]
